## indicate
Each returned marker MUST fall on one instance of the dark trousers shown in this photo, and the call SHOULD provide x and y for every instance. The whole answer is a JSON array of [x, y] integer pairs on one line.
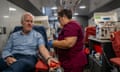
[[24, 63]]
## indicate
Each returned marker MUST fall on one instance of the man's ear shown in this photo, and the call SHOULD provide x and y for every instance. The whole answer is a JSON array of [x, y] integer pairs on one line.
[[64, 16]]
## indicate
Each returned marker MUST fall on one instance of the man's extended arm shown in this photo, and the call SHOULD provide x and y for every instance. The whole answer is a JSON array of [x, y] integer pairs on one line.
[[43, 50], [6, 54]]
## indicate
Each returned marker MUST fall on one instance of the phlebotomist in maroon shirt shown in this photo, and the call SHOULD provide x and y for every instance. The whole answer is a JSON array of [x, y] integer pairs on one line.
[[69, 45]]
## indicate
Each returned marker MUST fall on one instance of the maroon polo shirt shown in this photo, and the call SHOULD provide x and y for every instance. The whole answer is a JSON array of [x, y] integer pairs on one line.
[[74, 56]]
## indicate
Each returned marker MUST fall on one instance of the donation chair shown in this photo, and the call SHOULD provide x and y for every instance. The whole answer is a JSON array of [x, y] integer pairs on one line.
[[115, 38], [40, 65], [89, 31]]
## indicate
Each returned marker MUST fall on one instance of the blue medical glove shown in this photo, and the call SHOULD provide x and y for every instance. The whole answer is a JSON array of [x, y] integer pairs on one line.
[[50, 43]]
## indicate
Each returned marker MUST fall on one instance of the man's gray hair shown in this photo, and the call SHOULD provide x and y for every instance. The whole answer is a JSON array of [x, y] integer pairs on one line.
[[23, 16]]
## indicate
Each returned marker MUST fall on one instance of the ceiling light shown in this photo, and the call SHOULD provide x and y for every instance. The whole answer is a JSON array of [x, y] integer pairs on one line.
[[5, 16], [76, 14], [82, 7], [73, 17], [55, 14], [43, 10], [54, 8], [12, 9]]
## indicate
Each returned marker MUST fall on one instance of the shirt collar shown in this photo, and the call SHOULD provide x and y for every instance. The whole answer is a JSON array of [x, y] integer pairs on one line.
[[21, 33]]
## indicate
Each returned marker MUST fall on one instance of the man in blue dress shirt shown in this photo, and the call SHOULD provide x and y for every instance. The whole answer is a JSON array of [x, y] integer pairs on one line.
[[20, 52]]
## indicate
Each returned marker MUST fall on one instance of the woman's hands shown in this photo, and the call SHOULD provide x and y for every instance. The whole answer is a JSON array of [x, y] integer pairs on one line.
[[53, 63]]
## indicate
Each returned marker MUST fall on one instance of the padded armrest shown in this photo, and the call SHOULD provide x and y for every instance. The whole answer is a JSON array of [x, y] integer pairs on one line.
[[116, 61]]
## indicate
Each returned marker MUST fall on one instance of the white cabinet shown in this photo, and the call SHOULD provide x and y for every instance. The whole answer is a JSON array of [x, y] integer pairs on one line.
[[43, 21]]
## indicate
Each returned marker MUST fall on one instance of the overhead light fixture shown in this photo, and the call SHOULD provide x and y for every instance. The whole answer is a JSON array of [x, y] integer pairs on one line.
[[82, 7], [54, 8], [55, 14], [76, 14], [43, 10], [12, 9], [6, 16], [73, 17]]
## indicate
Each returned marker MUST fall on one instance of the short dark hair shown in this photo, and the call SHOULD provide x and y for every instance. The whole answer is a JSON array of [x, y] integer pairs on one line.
[[66, 12]]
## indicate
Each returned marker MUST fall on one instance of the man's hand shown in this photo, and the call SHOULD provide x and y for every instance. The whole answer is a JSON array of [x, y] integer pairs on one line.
[[10, 60]]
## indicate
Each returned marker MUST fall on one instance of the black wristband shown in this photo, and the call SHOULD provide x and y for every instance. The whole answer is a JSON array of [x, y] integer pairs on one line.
[[48, 58]]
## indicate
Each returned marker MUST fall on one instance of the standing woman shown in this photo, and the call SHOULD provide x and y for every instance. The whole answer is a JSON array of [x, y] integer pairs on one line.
[[69, 45]]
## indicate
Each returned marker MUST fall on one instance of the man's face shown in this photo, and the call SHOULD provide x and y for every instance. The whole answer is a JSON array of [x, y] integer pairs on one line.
[[27, 23]]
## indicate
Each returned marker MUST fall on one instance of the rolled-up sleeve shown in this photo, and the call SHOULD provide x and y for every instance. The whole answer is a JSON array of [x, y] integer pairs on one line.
[[7, 49]]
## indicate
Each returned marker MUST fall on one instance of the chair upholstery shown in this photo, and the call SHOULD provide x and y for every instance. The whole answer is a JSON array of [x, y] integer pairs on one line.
[[115, 38], [116, 61], [88, 32], [91, 30]]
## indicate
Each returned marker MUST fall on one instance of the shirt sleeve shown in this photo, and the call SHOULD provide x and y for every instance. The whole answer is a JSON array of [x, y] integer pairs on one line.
[[7, 49], [40, 40], [70, 30]]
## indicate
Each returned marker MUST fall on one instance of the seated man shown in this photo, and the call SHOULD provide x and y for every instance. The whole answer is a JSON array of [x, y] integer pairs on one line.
[[20, 52]]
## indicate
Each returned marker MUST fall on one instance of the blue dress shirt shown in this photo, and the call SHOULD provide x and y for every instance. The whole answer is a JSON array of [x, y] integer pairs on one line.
[[18, 43]]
